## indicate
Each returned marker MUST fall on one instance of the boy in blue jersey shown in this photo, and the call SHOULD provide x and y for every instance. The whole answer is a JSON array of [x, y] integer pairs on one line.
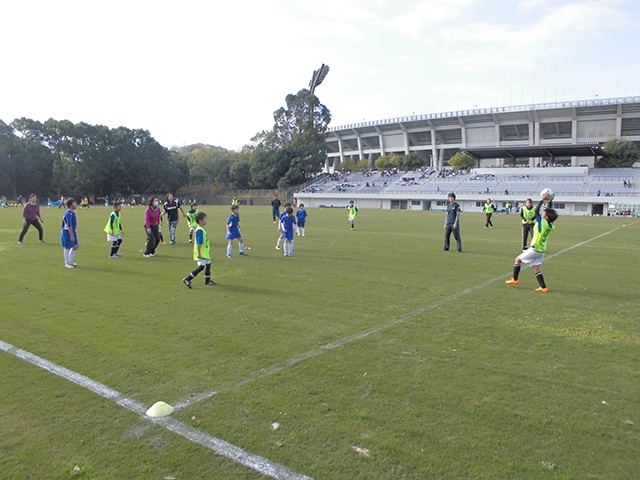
[[288, 225], [280, 217], [68, 235], [301, 218], [534, 255], [234, 231]]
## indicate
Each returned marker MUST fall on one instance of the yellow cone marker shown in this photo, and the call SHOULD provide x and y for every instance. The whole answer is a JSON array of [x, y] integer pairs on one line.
[[159, 409]]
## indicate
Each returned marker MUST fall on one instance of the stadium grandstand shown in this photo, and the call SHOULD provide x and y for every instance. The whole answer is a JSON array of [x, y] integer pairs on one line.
[[519, 150]]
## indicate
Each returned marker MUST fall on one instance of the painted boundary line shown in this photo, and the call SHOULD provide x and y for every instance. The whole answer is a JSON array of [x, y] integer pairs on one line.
[[279, 367], [255, 462]]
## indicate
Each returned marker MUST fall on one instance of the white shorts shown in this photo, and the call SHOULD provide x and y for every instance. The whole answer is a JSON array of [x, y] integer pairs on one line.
[[532, 257], [113, 238], [204, 262], [351, 219]]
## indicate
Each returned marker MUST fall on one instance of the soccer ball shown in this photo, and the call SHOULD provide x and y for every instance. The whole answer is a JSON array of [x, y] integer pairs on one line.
[[549, 192]]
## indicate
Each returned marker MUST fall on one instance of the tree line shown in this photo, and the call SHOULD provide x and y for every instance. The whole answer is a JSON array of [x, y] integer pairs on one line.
[[58, 157]]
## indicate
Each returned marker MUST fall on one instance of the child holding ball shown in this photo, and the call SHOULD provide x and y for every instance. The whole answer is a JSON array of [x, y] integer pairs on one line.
[[534, 255]]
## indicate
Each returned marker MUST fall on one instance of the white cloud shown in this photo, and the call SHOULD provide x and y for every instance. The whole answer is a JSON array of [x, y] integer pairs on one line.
[[532, 5], [344, 11], [561, 28], [430, 11]]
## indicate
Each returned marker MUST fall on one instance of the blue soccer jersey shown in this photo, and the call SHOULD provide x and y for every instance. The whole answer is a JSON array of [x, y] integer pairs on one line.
[[287, 226], [233, 224], [233, 221], [301, 215], [68, 226]]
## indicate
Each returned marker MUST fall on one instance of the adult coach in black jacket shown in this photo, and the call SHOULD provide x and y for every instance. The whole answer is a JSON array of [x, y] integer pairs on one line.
[[275, 208], [452, 223]]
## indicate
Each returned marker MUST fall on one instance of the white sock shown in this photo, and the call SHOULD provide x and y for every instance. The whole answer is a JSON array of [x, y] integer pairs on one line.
[[72, 255], [241, 245], [279, 241], [229, 248], [302, 231], [66, 256]]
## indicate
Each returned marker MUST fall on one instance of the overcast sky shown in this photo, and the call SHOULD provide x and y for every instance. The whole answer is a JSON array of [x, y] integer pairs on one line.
[[215, 71]]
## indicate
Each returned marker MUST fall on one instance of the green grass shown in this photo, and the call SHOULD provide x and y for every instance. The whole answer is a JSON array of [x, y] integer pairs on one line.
[[477, 379]]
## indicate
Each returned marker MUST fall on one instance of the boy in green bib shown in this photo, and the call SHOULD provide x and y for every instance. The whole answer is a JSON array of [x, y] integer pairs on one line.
[[201, 252], [114, 231], [191, 220]]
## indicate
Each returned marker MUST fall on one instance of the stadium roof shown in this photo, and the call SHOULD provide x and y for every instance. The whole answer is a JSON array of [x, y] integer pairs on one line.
[[526, 151]]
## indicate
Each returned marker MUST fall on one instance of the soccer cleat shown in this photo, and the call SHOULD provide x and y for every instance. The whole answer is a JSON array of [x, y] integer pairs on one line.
[[118, 255], [42, 241], [163, 243], [229, 256], [445, 249], [114, 256], [20, 243], [67, 265], [542, 289], [187, 282], [512, 281], [190, 241], [243, 253], [147, 255], [277, 247], [210, 282]]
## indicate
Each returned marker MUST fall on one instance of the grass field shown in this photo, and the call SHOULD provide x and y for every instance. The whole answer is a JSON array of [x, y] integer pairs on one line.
[[378, 355]]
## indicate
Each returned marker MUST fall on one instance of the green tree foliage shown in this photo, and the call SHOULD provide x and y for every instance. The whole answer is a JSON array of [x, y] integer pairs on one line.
[[240, 173], [411, 161], [618, 153], [60, 157], [26, 166], [295, 148], [348, 164], [210, 164], [383, 163], [462, 161]]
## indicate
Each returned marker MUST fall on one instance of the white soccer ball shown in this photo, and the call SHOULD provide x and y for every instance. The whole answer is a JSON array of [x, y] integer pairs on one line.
[[549, 192]]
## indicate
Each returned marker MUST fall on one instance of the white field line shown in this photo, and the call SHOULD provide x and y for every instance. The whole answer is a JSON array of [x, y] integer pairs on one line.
[[255, 462], [279, 367]]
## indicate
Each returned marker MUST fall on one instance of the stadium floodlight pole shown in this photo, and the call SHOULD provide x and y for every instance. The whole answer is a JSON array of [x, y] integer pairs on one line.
[[317, 78]]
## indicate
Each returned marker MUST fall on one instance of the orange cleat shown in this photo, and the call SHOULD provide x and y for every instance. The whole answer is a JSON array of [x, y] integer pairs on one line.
[[512, 281], [542, 289]]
